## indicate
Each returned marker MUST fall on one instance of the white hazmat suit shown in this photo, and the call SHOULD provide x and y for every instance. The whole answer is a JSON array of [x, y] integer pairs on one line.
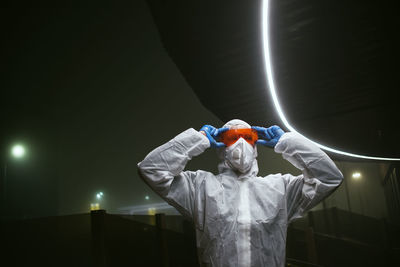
[[241, 219]]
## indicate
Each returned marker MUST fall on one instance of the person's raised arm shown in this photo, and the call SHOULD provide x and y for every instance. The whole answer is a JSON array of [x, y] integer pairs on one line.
[[320, 175], [164, 166]]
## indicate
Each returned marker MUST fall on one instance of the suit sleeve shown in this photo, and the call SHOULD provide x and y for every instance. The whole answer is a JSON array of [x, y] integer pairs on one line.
[[162, 169], [319, 179]]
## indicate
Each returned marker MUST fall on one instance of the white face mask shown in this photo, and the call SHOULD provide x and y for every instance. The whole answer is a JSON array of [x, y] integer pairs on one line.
[[240, 155]]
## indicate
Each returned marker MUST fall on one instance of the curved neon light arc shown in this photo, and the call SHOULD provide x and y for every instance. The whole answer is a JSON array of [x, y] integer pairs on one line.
[[272, 88]]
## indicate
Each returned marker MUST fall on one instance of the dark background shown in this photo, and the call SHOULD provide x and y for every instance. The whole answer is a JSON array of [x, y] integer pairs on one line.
[[90, 90]]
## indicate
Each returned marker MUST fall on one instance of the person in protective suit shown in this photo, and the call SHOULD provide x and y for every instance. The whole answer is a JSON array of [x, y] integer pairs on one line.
[[240, 218]]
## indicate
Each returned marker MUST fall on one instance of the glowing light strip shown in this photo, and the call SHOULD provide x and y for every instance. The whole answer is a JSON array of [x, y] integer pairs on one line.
[[272, 88]]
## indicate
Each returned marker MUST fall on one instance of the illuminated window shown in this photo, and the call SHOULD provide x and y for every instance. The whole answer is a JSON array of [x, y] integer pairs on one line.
[[94, 206]]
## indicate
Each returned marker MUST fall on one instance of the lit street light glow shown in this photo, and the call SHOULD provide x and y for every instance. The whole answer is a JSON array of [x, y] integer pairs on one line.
[[99, 195], [18, 151], [147, 197]]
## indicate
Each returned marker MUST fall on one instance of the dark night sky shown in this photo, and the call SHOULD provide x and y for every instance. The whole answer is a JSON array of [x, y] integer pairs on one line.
[[90, 91], [86, 89]]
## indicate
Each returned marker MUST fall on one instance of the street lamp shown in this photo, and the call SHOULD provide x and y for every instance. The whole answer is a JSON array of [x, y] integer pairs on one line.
[[17, 151], [357, 176], [99, 195], [96, 205]]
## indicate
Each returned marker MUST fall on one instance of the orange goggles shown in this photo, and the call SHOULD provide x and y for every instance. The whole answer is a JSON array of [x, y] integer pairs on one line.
[[231, 136]]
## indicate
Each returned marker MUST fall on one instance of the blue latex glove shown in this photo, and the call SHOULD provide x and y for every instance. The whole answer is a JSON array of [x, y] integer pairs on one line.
[[212, 134], [268, 136]]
